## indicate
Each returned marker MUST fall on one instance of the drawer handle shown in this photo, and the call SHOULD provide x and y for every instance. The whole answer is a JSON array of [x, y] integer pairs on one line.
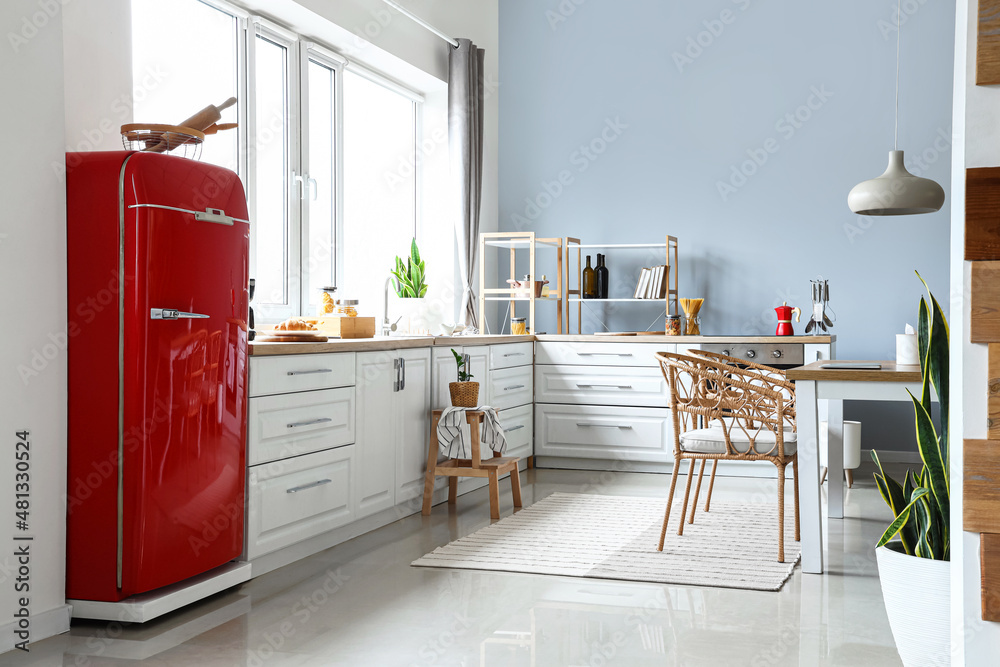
[[318, 370], [310, 485], [513, 428], [321, 420], [590, 425], [604, 386], [513, 387], [513, 354], [604, 354]]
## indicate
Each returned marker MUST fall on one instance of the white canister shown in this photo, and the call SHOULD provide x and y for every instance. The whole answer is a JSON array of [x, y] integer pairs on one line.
[[906, 350]]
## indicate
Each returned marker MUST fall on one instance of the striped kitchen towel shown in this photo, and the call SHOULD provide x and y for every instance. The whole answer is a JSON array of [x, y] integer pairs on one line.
[[452, 441]]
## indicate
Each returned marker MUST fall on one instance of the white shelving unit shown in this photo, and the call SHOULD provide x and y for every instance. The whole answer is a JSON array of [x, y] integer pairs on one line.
[[575, 296]]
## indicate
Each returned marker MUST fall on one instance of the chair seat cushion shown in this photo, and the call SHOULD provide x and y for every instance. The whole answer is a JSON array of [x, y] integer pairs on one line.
[[712, 440]]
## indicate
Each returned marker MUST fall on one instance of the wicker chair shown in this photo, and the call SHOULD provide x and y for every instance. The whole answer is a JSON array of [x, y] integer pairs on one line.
[[773, 378], [722, 412]]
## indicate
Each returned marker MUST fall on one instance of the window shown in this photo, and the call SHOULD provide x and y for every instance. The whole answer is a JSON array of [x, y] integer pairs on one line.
[[328, 156], [380, 184], [170, 78]]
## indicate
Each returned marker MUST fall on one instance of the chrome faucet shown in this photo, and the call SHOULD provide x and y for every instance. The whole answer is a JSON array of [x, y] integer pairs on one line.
[[387, 327]]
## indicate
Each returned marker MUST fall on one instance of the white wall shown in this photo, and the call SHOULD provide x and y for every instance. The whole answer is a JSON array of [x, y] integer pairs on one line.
[[97, 60], [977, 144], [33, 273]]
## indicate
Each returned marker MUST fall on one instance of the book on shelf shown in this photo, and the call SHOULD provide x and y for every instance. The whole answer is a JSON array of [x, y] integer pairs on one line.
[[652, 283], [640, 286]]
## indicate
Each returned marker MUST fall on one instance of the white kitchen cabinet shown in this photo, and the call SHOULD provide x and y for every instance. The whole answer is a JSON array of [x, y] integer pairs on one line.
[[517, 424], [297, 498], [446, 371], [290, 373], [507, 355], [601, 385], [599, 354], [509, 387], [287, 425], [607, 433], [394, 404], [377, 383], [411, 416]]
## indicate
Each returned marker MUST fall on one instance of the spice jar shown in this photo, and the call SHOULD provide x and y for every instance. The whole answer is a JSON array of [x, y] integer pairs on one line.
[[346, 308], [518, 326], [673, 327]]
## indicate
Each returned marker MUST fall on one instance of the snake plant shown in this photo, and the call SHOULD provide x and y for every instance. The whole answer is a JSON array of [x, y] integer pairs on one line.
[[921, 503], [410, 276]]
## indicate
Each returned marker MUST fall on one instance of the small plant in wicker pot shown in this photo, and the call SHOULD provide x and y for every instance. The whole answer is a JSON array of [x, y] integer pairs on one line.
[[464, 394]]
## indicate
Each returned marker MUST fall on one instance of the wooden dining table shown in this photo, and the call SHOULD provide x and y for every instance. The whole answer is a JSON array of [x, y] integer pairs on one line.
[[814, 383]]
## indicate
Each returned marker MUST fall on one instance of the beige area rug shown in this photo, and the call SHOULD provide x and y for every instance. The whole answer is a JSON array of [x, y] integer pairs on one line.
[[615, 537]]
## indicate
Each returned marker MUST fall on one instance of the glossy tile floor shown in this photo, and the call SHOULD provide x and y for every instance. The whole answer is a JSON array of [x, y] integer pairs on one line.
[[361, 603]]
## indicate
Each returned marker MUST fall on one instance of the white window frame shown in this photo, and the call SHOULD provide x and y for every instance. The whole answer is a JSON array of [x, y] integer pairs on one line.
[[293, 274], [312, 51]]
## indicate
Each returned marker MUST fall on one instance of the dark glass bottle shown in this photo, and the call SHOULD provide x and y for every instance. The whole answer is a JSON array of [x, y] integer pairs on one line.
[[601, 273], [589, 281]]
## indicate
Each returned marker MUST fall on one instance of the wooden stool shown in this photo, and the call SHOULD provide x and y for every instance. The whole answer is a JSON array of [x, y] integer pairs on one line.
[[474, 467]]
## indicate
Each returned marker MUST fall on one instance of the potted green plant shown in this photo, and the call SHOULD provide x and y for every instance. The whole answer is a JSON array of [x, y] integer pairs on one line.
[[464, 394], [914, 569], [409, 283]]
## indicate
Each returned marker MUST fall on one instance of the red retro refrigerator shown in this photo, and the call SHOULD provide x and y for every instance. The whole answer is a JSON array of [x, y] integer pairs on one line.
[[158, 253]]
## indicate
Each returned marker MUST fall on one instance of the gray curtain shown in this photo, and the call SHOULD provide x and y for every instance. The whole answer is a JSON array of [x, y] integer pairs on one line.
[[465, 140]]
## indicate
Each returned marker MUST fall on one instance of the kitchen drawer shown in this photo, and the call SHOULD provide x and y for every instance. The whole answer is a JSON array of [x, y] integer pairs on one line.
[[517, 428], [292, 500], [601, 385], [300, 372], [510, 387], [293, 424], [511, 354], [599, 354], [589, 432]]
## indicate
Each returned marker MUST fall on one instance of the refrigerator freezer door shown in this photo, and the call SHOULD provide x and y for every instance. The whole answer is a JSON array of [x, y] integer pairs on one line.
[[185, 324]]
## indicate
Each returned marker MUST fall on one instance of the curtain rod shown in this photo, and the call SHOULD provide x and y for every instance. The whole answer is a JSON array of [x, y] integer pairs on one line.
[[416, 19]]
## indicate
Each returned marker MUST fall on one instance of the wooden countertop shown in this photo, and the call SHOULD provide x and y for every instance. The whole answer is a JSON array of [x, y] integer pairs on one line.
[[662, 339], [889, 372], [259, 349]]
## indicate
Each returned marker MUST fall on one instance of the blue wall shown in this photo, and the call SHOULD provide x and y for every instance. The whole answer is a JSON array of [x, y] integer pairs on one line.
[[675, 99]]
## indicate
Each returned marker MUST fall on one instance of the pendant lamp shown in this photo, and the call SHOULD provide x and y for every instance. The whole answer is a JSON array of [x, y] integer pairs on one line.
[[897, 191]]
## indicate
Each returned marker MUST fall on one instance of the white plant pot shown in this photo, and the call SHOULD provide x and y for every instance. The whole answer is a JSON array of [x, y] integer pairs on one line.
[[411, 314], [917, 595]]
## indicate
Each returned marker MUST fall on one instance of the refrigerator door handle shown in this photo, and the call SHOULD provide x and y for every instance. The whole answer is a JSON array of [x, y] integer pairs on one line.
[[173, 314]]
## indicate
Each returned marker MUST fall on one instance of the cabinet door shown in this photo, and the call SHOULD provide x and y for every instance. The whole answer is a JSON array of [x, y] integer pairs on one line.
[[376, 446], [479, 364], [444, 371], [411, 418]]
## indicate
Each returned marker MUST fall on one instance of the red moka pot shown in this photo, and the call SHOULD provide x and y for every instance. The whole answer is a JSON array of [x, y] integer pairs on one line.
[[784, 312]]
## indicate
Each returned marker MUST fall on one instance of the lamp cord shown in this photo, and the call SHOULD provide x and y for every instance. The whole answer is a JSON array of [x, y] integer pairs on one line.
[[895, 136]]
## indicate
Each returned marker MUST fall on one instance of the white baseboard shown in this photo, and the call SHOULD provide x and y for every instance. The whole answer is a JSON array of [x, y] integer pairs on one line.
[[43, 625]]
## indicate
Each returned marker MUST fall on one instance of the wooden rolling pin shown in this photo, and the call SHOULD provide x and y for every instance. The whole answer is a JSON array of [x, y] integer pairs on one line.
[[208, 116]]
